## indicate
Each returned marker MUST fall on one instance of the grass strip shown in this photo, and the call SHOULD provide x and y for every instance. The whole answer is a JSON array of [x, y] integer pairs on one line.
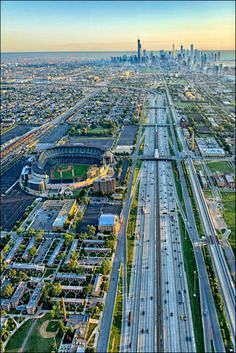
[[193, 285], [195, 209], [115, 334], [131, 234], [224, 326]]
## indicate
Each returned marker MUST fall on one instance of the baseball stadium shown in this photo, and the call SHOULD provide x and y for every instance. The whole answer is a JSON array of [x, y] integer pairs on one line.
[[65, 165]]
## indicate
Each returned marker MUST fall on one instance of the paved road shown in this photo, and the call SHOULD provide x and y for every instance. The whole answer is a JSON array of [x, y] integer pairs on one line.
[[120, 256], [211, 328], [142, 334]]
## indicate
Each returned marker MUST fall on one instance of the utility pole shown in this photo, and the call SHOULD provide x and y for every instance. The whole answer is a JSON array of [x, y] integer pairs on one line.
[[194, 284]]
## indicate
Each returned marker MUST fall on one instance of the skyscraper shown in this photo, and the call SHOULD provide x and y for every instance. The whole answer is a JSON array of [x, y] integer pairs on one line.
[[191, 48], [139, 51]]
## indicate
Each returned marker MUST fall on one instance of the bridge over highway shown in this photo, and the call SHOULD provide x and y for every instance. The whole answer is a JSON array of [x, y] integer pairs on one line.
[[160, 158]]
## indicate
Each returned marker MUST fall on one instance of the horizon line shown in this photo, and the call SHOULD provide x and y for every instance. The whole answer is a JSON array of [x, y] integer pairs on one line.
[[101, 51]]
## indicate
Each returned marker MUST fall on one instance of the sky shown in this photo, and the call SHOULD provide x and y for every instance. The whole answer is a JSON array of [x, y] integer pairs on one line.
[[115, 25]]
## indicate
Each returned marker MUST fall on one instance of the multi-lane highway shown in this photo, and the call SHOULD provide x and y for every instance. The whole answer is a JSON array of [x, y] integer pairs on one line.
[[212, 333], [158, 315]]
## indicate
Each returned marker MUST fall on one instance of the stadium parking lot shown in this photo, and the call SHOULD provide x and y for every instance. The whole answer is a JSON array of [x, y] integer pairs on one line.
[[11, 175], [55, 134], [93, 141], [15, 132], [128, 135], [13, 206]]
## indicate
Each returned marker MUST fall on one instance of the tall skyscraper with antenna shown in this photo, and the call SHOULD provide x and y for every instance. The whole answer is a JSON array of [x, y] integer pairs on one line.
[[139, 51]]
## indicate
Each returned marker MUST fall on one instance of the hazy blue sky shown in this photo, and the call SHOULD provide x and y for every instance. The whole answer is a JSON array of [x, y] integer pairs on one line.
[[106, 25]]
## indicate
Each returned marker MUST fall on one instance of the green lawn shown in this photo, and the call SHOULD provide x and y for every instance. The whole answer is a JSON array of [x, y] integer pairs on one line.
[[91, 328], [36, 343], [114, 341], [222, 167], [17, 339], [228, 199], [130, 234], [52, 326], [79, 170], [190, 267]]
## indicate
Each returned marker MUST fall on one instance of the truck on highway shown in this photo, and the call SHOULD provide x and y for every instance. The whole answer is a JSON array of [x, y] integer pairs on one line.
[[130, 318], [180, 297]]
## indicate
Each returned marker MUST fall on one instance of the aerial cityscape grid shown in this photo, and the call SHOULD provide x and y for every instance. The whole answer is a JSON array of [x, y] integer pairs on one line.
[[117, 177]]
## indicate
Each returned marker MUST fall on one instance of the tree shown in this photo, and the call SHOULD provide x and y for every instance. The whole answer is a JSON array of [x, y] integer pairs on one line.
[[31, 231], [106, 267], [22, 276], [8, 290], [32, 251], [104, 286], [91, 230], [68, 238], [66, 224], [56, 289], [39, 235], [11, 273], [63, 328], [88, 289], [56, 311], [6, 248]]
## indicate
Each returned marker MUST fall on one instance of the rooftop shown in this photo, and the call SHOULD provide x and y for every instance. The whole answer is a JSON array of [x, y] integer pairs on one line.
[[107, 219]]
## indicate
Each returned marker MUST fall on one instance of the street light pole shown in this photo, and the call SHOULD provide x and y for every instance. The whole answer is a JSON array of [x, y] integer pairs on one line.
[[194, 284]]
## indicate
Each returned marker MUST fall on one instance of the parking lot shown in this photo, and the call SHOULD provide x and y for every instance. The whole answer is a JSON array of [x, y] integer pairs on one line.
[[11, 175], [128, 135], [93, 212], [13, 206], [93, 141], [15, 132], [55, 134], [44, 219]]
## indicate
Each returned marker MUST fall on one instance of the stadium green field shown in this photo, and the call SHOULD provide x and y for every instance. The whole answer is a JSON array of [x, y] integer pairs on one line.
[[69, 171]]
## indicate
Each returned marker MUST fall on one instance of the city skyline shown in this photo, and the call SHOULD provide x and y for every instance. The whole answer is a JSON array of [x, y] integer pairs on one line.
[[115, 26]]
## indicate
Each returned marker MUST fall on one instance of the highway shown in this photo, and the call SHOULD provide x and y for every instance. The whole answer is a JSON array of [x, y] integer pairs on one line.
[[211, 328], [158, 302], [218, 259]]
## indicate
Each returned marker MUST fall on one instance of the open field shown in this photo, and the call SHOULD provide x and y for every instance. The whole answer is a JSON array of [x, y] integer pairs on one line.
[[17, 339], [221, 166], [35, 343], [69, 171], [228, 199]]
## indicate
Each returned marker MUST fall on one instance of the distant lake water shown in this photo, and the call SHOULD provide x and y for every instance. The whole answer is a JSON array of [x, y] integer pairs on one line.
[[227, 57]]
